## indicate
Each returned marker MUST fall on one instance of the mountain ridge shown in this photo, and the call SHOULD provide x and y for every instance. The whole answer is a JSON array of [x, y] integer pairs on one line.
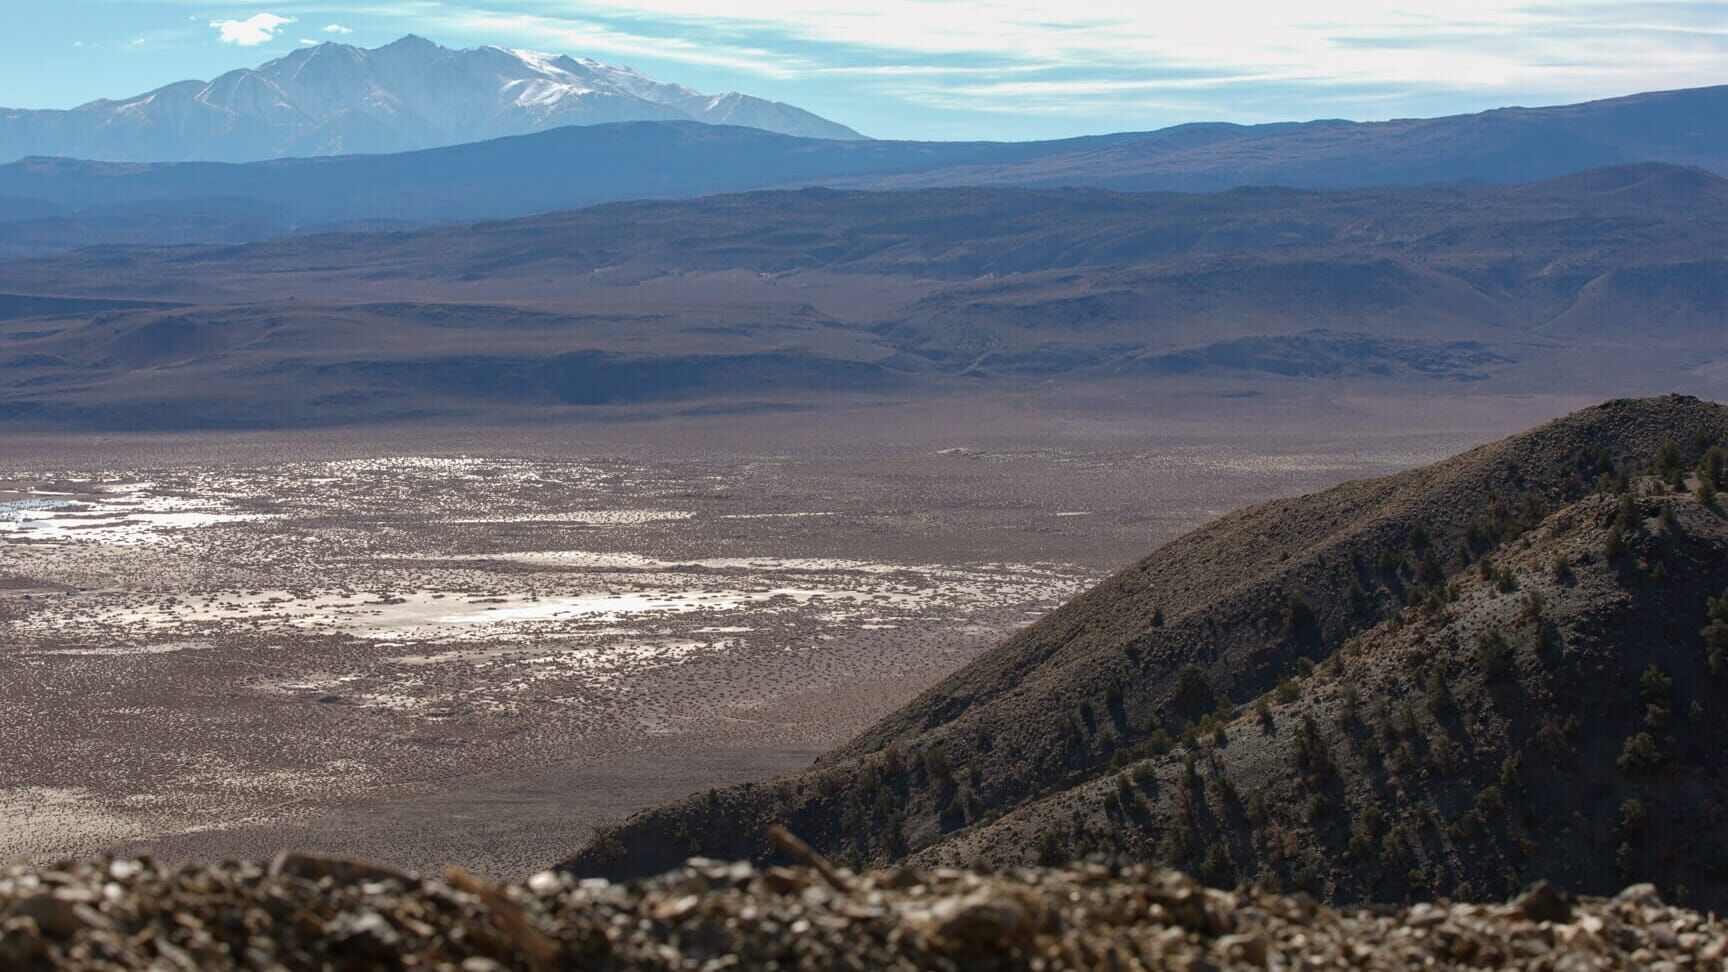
[[804, 297], [577, 166], [1446, 681]]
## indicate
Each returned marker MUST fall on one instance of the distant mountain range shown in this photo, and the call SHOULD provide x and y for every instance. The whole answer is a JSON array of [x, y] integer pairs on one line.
[[1609, 281], [57, 204], [336, 99]]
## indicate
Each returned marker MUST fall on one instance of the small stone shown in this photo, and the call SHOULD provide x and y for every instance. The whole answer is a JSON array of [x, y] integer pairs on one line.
[[1643, 895], [1425, 915], [55, 916], [1244, 948], [981, 921], [368, 933], [1544, 902], [545, 882], [784, 880], [316, 867]]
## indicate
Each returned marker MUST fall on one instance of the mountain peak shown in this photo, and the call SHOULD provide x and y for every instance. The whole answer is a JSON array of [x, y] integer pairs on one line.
[[338, 99], [412, 41]]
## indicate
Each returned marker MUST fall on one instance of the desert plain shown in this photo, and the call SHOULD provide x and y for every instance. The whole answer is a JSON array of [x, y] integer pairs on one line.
[[423, 645]]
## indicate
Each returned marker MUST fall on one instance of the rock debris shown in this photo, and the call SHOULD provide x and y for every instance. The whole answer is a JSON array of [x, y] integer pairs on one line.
[[307, 912]]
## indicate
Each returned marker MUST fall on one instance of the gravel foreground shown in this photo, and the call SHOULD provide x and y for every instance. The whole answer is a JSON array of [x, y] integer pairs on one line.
[[307, 912]]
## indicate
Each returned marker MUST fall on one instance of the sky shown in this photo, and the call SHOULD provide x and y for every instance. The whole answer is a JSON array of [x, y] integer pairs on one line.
[[943, 69]]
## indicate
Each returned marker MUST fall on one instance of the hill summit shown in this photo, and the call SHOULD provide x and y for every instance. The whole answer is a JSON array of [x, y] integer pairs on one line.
[[1508, 666]]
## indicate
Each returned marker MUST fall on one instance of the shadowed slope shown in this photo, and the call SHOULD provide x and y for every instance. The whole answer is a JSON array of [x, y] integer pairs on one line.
[[1212, 622]]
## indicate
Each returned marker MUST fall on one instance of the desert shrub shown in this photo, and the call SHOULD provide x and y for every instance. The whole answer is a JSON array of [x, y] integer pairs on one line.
[[1419, 537], [1615, 546], [1156, 744], [1655, 685], [853, 817], [1629, 517], [1640, 756], [1438, 692], [1668, 458], [1505, 581], [1714, 465], [1349, 706], [1405, 723], [1288, 691], [1357, 594], [963, 807], [1177, 844], [1051, 851], [1395, 850], [1512, 771], [1715, 634], [1223, 790], [1218, 868], [937, 768], [1296, 616], [1193, 696], [1490, 802], [1446, 754], [1632, 818], [1256, 810], [1311, 751], [1492, 655]]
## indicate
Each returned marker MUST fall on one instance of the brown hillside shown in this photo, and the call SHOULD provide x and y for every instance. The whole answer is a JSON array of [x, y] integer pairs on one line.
[[1030, 739]]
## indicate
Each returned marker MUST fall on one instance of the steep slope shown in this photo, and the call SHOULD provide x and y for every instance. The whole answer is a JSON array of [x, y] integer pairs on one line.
[[336, 99], [1390, 627]]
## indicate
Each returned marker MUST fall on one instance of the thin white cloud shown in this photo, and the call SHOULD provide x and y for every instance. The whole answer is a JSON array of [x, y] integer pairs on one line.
[[583, 37], [337, 29], [254, 30], [1449, 45]]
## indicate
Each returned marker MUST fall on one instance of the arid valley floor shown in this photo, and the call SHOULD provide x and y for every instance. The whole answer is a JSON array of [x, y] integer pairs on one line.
[[423, 646]]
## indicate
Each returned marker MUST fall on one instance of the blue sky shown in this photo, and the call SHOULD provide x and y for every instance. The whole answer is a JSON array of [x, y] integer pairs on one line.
[[1009, 69]]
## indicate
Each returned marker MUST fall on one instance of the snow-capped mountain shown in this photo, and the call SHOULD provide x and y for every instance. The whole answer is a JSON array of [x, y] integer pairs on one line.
[[335, 99]]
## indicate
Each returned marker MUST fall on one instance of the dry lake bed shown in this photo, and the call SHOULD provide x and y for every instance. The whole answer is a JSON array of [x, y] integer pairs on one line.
[[478, 654]]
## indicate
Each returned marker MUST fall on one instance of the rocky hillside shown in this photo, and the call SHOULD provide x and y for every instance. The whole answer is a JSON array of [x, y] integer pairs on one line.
[[1510, 665], [304, 912]]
